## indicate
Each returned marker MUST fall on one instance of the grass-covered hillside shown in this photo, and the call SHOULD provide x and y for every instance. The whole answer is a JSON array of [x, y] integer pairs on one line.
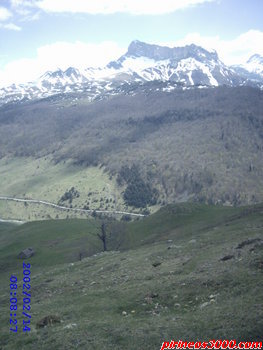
[[42, 179], [200, 144], [189, 271]]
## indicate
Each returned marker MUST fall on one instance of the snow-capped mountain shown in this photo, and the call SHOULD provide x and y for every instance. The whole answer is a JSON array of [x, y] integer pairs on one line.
[[255, 65], [69, 77], [190, 65], [252, 69]]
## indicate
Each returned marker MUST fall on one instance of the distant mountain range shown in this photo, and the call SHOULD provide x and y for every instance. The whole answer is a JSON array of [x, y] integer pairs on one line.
[[186, 67]]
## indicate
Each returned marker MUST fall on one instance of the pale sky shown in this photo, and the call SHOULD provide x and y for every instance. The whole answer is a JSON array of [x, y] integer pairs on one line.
[[41, 35]]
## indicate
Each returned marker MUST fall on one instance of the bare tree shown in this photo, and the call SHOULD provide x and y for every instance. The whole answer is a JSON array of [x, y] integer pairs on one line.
[[103, 236]]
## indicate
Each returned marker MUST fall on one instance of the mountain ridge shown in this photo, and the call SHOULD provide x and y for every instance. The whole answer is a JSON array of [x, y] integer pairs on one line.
[[189, 66]]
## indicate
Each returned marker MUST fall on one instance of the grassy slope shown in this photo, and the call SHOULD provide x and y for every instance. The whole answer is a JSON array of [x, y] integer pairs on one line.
[[197, 296], [55, 241], [42, 179]]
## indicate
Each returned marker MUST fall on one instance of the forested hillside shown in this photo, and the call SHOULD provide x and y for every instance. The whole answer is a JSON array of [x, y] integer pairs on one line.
[[201, 144]]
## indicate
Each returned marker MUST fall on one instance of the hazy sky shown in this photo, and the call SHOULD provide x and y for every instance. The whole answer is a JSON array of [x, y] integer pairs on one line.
[[41, 35]]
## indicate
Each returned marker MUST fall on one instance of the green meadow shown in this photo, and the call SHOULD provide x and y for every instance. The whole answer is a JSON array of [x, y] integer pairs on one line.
[[189, 271]]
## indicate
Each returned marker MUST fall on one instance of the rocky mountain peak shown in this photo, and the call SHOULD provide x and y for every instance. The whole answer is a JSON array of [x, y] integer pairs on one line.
[[71, 71], [256, 58], [140, 49], [158, 53]]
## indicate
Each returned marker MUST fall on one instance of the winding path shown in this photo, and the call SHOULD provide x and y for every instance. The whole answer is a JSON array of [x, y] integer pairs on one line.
[[66, 208]]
